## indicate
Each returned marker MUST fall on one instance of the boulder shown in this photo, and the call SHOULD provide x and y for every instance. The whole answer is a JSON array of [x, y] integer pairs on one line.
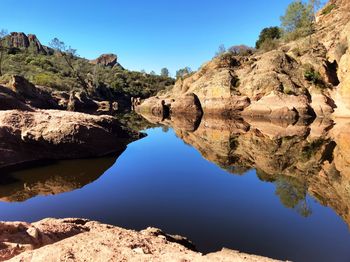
[[52, 134], [278, 105], [188, 104], [109, 60], [21, 90]]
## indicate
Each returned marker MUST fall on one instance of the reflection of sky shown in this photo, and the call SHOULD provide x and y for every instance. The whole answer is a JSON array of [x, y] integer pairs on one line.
[[159, 181]]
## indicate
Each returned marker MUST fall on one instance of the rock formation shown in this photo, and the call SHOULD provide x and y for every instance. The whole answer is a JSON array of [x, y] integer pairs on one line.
[[27, 136], [274, 84], [84, 240], [109, 60], [312, 158], [23, 41]]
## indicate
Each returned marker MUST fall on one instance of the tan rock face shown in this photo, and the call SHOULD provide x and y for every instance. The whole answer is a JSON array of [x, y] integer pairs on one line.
[[109, 60], [277, 105], [51, 134], [281, 72], [84, 240]]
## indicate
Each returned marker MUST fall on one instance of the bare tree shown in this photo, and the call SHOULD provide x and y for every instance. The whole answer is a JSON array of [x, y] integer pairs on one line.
[[68, 54], [164, 72], [3, 33], [221, 50]]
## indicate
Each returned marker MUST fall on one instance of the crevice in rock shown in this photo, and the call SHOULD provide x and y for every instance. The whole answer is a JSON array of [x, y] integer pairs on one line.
[[331, 71], [166, 110]]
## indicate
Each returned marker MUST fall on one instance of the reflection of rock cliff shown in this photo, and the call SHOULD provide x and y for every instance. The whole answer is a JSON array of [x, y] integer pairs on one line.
[[298, 158], [52, 179]]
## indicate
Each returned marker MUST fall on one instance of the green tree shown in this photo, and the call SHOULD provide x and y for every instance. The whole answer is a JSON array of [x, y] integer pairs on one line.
[[298, 16], [3, 33], [164, 72], [267, 34], [183, 72], [69, 54]]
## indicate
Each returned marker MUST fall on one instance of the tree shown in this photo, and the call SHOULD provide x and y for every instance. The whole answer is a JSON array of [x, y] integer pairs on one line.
[[3, 33], [315, 5], [298, 15], [152, 73], [164, 72], [183, 72], [69, 54], [268, 33], [241, 50], [221, 50]]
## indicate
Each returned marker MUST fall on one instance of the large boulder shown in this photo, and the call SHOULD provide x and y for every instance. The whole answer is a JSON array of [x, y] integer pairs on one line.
[[19, 93], [51, 134], [278, 105]]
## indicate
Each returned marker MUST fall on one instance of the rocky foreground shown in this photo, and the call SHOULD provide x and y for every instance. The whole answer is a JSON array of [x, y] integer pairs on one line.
[[84, 240], [271, 84]]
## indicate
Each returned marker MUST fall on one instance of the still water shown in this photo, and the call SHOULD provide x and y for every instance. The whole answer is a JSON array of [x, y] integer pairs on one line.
[[167, 182]]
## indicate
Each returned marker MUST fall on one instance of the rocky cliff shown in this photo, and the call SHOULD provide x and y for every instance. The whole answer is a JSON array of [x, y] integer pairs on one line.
[[305, 78], [22, 41]]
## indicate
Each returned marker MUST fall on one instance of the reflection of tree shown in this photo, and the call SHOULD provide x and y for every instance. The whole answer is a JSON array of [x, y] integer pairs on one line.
[[165, 129], [292, 194]]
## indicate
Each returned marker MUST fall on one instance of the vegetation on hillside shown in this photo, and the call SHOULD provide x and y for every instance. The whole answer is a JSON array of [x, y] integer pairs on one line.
[[298, 21], [64, 70]]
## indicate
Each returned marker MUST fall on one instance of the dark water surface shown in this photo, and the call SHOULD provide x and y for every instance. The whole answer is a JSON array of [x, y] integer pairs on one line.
[[163, 182]]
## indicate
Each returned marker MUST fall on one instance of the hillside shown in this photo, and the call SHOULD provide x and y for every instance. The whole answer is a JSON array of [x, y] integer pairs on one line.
[[304, 78], [104, 77]]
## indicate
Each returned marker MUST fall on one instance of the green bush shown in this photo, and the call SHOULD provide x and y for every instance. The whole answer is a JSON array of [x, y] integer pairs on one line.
[[328, 9], [314, 77], [268, 34]]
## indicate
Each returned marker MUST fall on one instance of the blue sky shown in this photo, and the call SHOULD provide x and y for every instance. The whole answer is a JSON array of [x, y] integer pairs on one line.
[[144, 34]]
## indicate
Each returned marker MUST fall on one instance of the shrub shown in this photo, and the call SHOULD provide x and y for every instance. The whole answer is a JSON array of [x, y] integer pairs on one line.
[[314, 77], [241, 50], [269, 44], [268, 33], [328, 9]]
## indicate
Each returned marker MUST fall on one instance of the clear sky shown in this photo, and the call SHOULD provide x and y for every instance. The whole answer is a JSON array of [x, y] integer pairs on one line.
[[144, 34]]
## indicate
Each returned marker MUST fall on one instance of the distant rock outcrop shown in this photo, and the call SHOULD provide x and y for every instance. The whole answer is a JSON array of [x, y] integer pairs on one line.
[[109, 60], [23, 41]]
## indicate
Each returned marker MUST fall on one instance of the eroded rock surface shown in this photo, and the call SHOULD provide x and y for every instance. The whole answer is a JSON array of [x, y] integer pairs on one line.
[[84, 240], [27, 136]]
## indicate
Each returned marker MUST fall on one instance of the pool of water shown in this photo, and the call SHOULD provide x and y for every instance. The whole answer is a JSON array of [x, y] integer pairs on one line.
[[162, 181]]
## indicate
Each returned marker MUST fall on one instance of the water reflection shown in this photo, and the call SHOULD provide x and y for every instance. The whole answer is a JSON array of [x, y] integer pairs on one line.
[[52, 178], [298, 158]]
